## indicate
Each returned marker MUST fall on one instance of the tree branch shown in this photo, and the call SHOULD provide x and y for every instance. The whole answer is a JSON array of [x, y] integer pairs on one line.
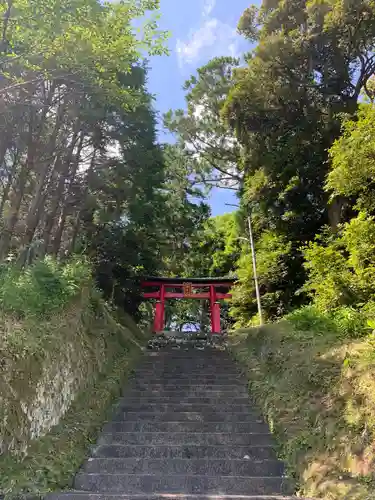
[[216, 167], [5, 26]]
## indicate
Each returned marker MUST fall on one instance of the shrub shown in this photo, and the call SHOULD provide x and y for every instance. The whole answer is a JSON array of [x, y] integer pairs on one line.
[[346, 321], [43, 287], [310, 318], [317, 392], [273, 257], [350, 322], [341, 267]]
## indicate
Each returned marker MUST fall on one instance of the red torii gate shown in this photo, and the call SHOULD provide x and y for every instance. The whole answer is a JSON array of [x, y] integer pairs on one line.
[[187, 288]]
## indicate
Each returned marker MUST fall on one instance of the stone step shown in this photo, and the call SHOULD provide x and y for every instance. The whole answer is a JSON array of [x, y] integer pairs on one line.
[[214, 386], [191, 356], [210, 396], [210, 385], [188, 368], [188, 361], [200, 360], [187, 416], [191, 391], [179, 394], [212, 427], [209, 354], [218, 374], [206, 485], [180, 379], [80, 495], [210, 467], [170, 379], [199, 379], [168, 406], [185, 438], [176, 383], [207, 398], [185, 451]]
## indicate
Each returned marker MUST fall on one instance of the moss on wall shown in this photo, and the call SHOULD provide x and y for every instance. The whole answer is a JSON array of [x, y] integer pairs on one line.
[[317, 392], [57, 380]]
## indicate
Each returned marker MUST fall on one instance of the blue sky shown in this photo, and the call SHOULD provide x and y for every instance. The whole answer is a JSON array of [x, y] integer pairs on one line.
[[200, 30]]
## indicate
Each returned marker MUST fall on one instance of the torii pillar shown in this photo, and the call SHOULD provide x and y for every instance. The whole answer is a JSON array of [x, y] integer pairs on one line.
[[215, 311], [160, 311], [182, 288]]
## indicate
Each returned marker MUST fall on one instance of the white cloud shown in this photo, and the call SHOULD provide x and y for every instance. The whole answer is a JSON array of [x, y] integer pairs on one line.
[[233, 50], [213, 38], [208, 7]]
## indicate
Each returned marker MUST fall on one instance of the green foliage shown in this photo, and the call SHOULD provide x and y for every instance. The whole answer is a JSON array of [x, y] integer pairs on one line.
[[217, 246], [309, 318], [53, 459], [329, 277], [316, 390], [96, 41], [350, 322], [352, 167], [347, 322], [43, 288], [201, 132], [80, 167], [341, 265], [352, 154], [272, 252], [310, 65], [66, 354]]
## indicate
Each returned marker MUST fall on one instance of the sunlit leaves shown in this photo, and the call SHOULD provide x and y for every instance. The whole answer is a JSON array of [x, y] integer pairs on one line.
[[80, 39], [353, 154]]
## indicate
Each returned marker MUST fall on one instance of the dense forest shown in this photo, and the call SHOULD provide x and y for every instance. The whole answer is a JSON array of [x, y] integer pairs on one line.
[[92, 200], [291, 130], [81, 171], [287, 127]]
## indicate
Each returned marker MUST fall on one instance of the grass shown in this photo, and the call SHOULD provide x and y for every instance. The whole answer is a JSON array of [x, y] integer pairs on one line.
[[64, 357], [317, 391], [42, 289], [53, 460]]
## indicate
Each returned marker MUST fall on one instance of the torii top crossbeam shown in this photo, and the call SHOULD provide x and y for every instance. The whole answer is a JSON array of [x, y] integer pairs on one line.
[[212, 289]]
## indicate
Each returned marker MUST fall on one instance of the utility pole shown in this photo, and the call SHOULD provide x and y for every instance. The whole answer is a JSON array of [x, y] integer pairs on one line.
[[256, 283], [253, 257]]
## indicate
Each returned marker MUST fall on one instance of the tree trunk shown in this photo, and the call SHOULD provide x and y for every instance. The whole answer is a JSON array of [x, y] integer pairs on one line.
[[4, 144], [56, 244], [17, 196], [65, 208], [335, 211], [35, 129], [35, 210], [11, 221], [8, 185], [6, 17], [77, 224]]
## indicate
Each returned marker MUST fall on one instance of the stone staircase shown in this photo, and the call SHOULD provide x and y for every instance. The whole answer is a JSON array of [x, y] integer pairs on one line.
[[184, 428]]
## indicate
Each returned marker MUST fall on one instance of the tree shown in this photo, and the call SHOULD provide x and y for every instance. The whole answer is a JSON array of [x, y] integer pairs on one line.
[[182, 212], [201, 132], [213, 251], [310, 65], [69, 71], [352, 165], [311, 62]]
